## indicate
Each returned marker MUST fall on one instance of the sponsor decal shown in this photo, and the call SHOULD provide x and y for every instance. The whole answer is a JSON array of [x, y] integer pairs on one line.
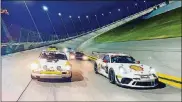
[[136, 68]]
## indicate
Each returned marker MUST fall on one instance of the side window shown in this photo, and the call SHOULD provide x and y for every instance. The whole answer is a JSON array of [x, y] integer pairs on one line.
[[106, 57]]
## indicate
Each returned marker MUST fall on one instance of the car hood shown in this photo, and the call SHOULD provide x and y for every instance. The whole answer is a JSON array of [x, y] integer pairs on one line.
[[133, 68], [53, 63]]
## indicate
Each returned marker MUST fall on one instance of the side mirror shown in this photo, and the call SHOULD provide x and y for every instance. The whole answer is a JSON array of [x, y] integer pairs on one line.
[[138, 62], [105, 61]]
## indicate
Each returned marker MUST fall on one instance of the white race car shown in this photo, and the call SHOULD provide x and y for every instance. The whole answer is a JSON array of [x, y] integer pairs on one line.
[[51, 64], [124, 70]]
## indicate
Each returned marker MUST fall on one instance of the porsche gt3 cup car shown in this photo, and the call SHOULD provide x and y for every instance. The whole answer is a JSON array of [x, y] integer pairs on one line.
[[124, 70], [51, 64]]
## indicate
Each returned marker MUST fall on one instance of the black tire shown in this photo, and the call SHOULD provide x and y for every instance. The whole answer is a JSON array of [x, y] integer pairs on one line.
[[95, 68], [33, 77], [112, 77]]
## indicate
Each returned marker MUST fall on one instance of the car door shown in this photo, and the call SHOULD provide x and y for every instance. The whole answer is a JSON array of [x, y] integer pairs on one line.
[[104, 67]]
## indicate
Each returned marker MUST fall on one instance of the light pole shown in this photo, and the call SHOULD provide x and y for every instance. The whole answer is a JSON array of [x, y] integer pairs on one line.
[[136, 5], [112, 22], [59, 14], [97, 21], [128, 10], [88, 20], [45, 8], [73, 24], [111, 16], [145, 3], [81, 23], [33, 21]]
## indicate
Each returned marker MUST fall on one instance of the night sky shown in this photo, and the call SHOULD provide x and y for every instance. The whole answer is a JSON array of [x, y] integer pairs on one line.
[[20, 18]]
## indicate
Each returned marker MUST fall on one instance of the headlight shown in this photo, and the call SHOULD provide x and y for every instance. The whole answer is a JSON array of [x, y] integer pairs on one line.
[[59, 68], [68, 68], [34, 66], [85, 58], [65, 50], [72, 57], [45, 67], [152, 70]]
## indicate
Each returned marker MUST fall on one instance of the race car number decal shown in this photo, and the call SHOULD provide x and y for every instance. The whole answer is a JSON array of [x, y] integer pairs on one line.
[[136, 68]]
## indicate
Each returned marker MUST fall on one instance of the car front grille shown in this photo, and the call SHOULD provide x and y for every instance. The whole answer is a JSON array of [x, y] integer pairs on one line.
[[151, 83], [126, 80]]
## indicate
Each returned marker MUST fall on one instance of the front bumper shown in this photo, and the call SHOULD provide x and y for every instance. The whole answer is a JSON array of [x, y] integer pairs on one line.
[[136, 83], [64, 74]]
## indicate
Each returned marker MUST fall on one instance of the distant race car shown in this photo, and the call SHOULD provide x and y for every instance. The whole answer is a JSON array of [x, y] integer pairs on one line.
[[71, 52], [124, 70], [81, 56], [51, 64]]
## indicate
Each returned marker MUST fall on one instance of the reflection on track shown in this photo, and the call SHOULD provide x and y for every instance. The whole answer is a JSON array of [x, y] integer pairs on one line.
[[87, 86]]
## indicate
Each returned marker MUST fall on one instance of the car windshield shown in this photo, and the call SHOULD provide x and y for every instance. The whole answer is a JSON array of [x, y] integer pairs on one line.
[[79, 53], [53, 56], [122, 59]]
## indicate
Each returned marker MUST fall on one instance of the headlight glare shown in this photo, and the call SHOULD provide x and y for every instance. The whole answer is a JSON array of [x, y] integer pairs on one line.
[[34, 66], [85, 58]]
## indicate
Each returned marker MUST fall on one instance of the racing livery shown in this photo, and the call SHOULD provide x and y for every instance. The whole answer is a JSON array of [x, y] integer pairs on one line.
[[51, 64], [124, 70]]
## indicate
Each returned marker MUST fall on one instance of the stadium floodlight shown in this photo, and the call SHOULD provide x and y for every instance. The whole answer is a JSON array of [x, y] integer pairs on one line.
[[45, 8], [59, 14]]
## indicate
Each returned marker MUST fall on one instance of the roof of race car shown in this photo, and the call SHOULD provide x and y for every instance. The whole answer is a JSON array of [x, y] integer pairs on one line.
[[53, 51], [117, 54]]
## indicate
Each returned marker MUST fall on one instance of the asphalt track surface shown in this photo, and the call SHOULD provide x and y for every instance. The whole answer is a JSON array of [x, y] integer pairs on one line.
[[85, 86]]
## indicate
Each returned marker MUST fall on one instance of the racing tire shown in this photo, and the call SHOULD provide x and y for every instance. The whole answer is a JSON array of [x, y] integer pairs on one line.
[[33, 77], [112, 77], [95, 68]]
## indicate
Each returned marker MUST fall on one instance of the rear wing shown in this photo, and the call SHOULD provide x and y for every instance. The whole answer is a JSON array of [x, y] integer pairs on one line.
[[100, 54], [96, 52]]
